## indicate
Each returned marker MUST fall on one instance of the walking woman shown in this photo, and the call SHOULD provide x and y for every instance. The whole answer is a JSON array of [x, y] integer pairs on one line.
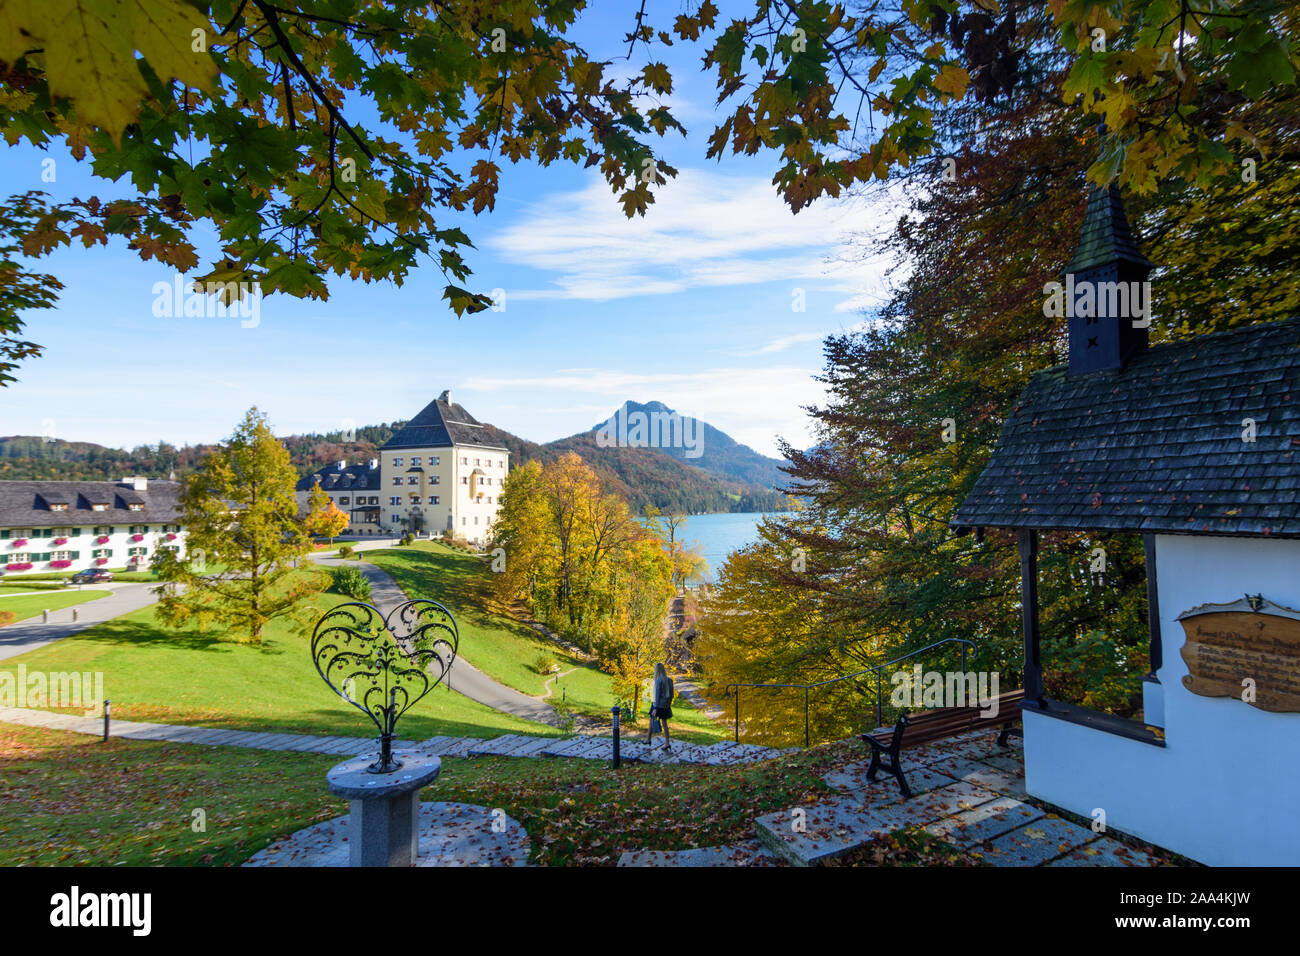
[[661, 700]]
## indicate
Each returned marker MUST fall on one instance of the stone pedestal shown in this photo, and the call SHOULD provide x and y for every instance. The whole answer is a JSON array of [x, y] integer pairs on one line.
[[384, 825]]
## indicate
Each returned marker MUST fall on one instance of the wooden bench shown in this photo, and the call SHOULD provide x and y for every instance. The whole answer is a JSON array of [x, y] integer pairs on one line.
[[931, 725]]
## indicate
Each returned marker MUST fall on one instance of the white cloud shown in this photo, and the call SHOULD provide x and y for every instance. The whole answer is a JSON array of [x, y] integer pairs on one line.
[[704, 229], [783, 343]]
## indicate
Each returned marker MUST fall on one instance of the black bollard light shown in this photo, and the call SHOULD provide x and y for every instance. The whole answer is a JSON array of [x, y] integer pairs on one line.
[[616, 711], [108, 707]]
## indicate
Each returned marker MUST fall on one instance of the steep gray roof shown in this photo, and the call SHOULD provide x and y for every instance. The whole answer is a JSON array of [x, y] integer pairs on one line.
[[1156, 446], [441, 423], [1105, 236], [357, 477], [27, 503]]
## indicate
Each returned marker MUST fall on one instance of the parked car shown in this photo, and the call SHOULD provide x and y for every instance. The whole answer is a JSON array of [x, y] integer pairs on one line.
[[92, 575]]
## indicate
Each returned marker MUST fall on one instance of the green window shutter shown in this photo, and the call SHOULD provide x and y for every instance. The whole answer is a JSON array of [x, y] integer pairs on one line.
[[76, 532], [4, 535], [76, 555]]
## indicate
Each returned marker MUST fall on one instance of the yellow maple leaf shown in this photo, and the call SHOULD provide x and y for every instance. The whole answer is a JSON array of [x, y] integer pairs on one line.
[[953, 81], [90, 51]]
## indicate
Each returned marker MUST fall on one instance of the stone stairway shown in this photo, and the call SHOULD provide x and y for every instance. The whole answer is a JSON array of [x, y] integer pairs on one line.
[[966, 791]]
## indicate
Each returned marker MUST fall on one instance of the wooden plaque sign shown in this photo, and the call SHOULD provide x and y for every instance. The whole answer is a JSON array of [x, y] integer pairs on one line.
[[1250, 640]]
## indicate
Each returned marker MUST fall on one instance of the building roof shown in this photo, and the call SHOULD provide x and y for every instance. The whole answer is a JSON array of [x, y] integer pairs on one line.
[[26, 504], [358, 477], [1106, 236], [441, 424], [1156, 446]]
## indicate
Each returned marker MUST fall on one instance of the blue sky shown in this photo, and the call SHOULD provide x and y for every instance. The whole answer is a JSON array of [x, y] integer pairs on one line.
[[691, 306]]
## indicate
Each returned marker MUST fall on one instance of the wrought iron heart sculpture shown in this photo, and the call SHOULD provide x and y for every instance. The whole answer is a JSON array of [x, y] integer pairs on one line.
[[382, 665]]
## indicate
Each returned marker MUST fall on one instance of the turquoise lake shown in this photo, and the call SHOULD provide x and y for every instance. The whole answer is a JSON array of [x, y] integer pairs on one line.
[[719, 535]]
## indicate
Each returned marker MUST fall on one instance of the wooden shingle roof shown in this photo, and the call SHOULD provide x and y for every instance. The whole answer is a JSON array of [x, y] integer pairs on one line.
[[1156, 446]]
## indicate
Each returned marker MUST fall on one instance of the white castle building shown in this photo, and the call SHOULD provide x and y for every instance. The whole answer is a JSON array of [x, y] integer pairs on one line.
[[440, 473]]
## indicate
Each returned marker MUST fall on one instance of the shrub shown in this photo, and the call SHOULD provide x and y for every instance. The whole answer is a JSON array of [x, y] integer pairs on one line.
[[347, 551], [546, 664], [6, 617], [407, 539], [352, 582]]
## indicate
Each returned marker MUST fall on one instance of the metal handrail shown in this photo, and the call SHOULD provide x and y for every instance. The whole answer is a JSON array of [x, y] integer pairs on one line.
[[835, 680]]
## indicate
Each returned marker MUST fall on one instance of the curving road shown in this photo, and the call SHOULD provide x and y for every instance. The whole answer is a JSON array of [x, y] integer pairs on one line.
[[464, 678], [30, 634]]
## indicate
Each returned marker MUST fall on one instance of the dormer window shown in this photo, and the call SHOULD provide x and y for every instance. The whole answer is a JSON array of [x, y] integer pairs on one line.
[[135, 506], [99, 507]]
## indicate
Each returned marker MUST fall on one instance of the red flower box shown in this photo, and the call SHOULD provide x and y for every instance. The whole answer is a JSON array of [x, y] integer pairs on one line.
[[171, 537], [137, 537], [101, 560], [19, 543], [24, 566], [102, 539], [60, 564], [60, 540]]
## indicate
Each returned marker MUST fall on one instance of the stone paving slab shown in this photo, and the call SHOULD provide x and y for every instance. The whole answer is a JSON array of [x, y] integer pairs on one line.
[[561, 747], [497, 746], [688, 753], [632, 749], [748, 853], [435, 745], [533, 748], [1011, 763], [833, 828], [948, 800], [745, 753], [594, 748], [715, 755], [460, 747], [884, 789], [349, 746], [451, 834], [984, 822], [1106, 852], [524, 744], [146, 732], [222, 737], [981, 774], [1036, 843], [657, 753]]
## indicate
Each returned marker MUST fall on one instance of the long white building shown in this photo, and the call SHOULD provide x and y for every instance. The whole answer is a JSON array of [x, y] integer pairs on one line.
[[51, 526]]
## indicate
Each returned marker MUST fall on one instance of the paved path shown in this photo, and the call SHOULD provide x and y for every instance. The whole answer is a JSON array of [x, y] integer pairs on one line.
[[464, 677], [967, 792], [28, 635], [580, 746]]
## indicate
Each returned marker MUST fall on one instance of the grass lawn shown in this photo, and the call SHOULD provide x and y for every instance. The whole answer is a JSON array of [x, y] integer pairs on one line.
[[31, 605], [506, 649], [71, 799], [156, 673]]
